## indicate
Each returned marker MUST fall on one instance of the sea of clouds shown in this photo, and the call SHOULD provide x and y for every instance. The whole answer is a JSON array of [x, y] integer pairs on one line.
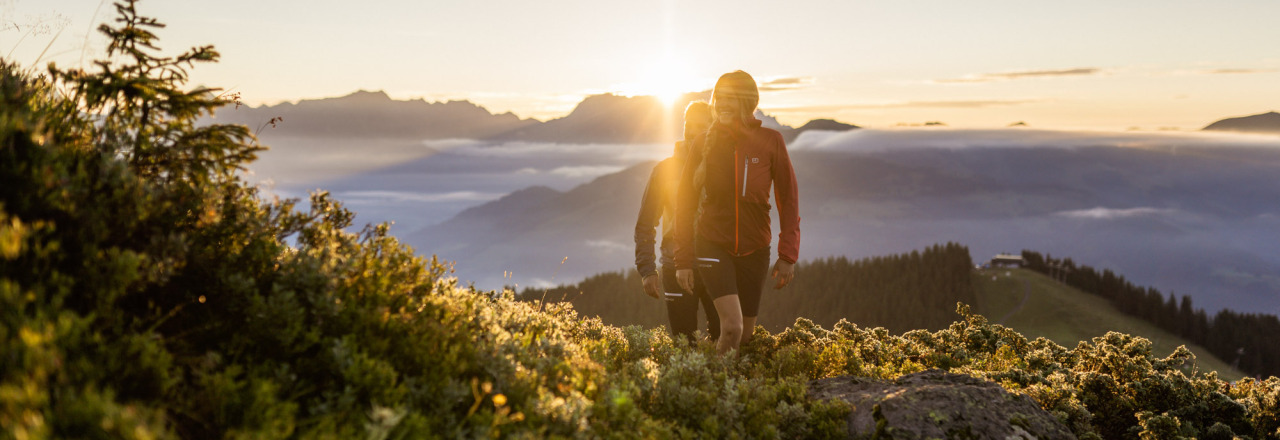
[[870, 140], [420, 184]]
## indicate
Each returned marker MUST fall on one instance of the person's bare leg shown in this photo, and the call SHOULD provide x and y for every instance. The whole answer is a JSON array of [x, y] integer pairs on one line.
[[730, 313], [748, 327]]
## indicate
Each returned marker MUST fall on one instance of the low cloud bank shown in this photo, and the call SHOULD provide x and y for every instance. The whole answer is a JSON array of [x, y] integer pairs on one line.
[[407, 196], [608, 245], [869, 140], [452, 143], [987, 77], [1101, 213], [623, 152], [585, 171]]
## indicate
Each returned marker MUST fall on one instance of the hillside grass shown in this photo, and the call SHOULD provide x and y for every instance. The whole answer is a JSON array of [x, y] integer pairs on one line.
[[1067, 315]]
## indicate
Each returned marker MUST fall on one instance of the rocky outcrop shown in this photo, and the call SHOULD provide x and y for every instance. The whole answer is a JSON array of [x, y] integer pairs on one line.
[[938, 405]]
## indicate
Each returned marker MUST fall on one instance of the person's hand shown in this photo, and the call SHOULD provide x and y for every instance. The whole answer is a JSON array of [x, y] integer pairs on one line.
[[653, 285], [685, 278], [784, 272]]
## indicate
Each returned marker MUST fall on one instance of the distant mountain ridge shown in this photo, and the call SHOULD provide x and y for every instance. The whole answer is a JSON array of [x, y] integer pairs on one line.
[[364, 115], [604, 118], [1268, 122]]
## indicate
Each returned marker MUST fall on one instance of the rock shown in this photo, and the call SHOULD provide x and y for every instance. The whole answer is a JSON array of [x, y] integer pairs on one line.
[[936, 404]]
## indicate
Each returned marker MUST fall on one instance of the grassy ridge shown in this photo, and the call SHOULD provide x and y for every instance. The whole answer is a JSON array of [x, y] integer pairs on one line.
[[1067, 316]]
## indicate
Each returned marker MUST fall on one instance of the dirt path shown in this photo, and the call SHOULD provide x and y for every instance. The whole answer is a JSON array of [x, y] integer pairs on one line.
[[1026, 293]]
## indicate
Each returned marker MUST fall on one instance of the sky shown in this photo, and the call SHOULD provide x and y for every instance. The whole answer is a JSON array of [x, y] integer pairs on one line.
[[1109, 65]]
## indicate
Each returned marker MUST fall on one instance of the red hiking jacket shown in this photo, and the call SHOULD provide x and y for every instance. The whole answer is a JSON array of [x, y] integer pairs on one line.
[[734, 214]]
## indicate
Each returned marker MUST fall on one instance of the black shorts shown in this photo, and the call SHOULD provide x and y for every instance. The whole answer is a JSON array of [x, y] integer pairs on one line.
[[725, 274], [682, 310]]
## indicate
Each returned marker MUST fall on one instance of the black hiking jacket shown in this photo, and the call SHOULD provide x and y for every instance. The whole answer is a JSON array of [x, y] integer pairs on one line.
[[658, 204]]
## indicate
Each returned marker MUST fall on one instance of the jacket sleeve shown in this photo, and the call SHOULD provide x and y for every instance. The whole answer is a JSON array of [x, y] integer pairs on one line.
[[787, 194], [646, 223], [687, 205]]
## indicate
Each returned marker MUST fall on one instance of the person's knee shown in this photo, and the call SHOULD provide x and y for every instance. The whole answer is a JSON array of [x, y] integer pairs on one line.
[[731, 329]]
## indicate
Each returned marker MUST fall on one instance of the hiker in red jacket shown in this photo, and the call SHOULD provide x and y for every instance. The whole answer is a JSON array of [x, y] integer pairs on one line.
[[659, 203], [722, 209]]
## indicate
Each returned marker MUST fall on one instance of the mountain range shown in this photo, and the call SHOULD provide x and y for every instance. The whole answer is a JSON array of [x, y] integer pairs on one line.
[[373, 115], [604, 118]]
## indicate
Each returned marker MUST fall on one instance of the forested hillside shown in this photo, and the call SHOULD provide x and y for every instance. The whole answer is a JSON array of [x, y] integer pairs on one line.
[[1247, 339], [903, 292], [147, 292]]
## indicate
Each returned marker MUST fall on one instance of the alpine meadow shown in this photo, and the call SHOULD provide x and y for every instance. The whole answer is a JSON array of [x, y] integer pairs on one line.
[[148, 291]]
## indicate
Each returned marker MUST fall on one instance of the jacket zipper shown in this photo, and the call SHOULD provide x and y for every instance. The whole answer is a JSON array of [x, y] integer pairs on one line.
[[735, 210], [736, 221]]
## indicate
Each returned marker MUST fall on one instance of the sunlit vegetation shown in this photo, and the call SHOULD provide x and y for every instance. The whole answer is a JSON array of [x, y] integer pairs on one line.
[[147, 292]]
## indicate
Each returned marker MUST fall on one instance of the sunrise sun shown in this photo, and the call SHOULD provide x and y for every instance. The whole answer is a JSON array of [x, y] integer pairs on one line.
[[669, 87], [666, 79]]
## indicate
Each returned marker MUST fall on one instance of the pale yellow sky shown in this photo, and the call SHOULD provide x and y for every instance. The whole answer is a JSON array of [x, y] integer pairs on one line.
[[1085, 64]]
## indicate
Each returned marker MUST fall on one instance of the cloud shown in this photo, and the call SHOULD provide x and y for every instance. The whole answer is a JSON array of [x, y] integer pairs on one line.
[[1005, 76], [586, 170], [867, 140], [449, 144], [405, 196], [541, 283], [1036, 73], [1237, 71], [785, 83], [519, 149], [1244, 278], [961, 104], [977, 103], [608, 245], [1100, 213]]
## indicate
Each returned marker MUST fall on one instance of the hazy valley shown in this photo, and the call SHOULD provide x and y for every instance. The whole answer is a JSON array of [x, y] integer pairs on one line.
[[1191, 213]]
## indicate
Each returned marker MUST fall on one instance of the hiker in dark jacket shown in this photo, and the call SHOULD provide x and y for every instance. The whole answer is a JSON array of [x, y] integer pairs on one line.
[[725, 187], [659, 203]]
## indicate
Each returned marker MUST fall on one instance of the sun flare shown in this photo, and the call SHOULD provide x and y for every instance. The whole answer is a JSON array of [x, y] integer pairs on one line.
[[667, 79], [670, 86], [666, 88]]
